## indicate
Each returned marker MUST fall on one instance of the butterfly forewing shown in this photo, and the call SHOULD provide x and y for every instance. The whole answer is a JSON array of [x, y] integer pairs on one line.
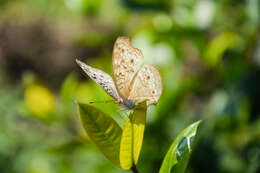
[[101, 78], [147, 86], [126, 62]]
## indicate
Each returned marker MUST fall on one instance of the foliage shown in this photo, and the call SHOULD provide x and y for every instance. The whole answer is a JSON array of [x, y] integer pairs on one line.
[[132, 137], [123, 147], [102, 130], [177, 154]]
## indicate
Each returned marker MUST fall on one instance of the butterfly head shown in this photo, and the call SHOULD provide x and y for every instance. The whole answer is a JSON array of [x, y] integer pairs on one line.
[[128, 103]]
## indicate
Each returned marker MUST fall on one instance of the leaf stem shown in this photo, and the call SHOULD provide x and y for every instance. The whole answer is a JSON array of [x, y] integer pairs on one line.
[[134, 169]]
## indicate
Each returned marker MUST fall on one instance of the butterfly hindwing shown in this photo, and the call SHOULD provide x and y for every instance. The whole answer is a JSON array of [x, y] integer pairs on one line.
[[147, 86], [101, 78], [126, 62]]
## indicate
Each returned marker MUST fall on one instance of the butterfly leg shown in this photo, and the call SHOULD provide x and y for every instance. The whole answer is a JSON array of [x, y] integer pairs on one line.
[[124, 113]]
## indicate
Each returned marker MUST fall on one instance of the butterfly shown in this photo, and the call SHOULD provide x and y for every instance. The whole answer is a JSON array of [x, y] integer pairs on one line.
[[134, 82]]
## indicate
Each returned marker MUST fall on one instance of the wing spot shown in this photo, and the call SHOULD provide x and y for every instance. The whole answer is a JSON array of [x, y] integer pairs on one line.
[[153, 92], [94, 76], [131, 61], [148, 77]]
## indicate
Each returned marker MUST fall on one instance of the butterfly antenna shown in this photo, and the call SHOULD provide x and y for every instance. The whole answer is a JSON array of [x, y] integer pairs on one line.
[[104, 101]]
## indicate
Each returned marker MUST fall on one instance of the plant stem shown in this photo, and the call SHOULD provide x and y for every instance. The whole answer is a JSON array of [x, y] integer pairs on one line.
[[134, 169]]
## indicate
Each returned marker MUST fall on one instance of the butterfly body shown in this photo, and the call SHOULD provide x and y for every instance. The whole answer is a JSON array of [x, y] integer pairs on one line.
[[134, 83], [128, 104]]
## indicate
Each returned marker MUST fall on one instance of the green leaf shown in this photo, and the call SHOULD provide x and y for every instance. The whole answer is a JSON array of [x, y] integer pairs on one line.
[[102, 130], [218, 46], [132, 137], [179, 152]]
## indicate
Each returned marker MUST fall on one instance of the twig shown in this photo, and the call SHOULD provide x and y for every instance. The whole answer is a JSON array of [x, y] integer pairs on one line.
[[134, 169]]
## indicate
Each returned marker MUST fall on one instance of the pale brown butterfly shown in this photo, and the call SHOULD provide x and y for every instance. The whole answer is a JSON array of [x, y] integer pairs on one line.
[[134, 83]]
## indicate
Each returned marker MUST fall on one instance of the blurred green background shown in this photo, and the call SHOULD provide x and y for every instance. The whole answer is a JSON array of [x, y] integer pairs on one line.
[[208, 53]]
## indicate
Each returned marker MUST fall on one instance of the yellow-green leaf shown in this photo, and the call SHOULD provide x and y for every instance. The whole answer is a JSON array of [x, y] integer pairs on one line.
[[126, 159], [102, 130], [132, 137], [179, 152]]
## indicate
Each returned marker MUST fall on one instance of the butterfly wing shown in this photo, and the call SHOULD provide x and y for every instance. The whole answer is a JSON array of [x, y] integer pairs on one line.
[[101, 78], [126, 62], [147, 86]]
